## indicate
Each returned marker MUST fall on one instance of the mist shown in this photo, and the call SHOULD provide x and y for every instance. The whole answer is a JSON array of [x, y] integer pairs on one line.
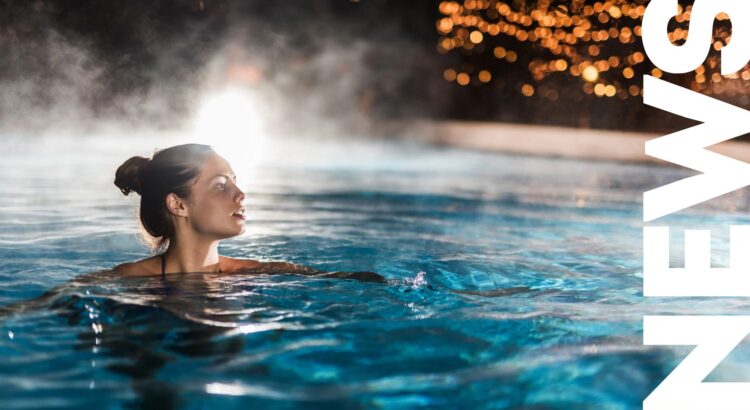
[[321, 68]]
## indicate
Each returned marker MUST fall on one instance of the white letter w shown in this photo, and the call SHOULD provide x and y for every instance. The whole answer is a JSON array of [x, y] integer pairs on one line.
[[720, 174]]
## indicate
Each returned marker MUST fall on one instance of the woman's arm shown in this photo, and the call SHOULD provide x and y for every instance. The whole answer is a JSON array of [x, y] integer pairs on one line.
[[43, 301], [293, 268]]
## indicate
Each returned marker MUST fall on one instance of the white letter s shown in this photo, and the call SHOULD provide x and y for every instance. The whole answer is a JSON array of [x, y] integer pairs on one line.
[[681, 59]]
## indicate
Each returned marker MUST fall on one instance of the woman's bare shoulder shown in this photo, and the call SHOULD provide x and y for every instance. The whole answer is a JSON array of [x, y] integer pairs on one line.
[[230, 265], [145, 267], [152, 266], [247, 265]]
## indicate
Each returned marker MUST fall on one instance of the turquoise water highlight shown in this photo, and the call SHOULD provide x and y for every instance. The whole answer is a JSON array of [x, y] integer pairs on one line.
[[451, 230]]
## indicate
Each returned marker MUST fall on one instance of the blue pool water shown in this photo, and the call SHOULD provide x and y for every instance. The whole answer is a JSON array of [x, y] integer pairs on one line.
[[451, 230]]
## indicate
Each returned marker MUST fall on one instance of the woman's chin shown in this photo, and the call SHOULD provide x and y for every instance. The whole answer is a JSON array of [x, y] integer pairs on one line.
[[239, 230], [230, 233]]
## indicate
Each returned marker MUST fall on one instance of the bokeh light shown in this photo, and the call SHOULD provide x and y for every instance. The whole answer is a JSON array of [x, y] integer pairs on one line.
[[596, 42], [590, 74]]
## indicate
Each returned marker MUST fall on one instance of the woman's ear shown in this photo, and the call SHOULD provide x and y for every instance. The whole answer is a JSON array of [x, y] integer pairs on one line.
[[176, 205]]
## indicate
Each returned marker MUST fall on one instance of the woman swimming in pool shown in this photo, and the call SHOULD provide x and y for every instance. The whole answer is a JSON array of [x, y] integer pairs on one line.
[[190, 201]]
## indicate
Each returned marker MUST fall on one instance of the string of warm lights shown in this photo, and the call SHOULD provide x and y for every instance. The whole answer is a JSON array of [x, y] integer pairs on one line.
[[597, 43]]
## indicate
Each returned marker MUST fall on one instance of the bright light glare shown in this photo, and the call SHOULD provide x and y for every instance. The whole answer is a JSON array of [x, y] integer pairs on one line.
[[229, 121]]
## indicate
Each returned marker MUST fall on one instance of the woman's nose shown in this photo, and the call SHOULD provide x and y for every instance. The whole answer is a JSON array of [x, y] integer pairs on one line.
[[240, 196]]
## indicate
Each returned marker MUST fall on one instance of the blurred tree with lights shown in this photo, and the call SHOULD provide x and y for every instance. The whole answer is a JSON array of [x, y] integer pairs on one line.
[[582, 59]]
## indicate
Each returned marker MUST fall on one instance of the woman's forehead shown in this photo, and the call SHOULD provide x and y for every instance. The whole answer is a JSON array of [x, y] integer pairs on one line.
[[215, 165]]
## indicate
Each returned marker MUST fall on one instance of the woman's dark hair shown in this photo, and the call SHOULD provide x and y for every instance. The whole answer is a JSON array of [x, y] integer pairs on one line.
[[171, 170]]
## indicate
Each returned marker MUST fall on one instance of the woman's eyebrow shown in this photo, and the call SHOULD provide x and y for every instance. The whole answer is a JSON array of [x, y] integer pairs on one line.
[[232, 177]]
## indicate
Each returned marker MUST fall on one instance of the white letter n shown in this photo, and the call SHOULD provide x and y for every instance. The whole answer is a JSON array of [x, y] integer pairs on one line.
[[714, 338]]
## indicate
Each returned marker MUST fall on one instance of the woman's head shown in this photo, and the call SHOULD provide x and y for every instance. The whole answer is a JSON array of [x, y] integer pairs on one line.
[[185, 187]]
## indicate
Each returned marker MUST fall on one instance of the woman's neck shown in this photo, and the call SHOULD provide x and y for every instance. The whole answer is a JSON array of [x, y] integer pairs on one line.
[[192, 256]]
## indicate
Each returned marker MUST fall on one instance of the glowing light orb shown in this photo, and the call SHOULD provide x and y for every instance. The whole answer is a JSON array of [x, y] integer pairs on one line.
[[590, 74], [230, 122]]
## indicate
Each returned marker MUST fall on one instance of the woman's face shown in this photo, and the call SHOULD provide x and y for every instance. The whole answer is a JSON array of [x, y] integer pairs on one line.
[[215, 203]]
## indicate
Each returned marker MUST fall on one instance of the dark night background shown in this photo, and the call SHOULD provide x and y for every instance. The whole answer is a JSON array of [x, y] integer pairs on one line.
[[144, 62]]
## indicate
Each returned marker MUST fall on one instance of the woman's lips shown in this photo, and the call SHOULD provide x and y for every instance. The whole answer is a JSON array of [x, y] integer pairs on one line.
[[239, 216]]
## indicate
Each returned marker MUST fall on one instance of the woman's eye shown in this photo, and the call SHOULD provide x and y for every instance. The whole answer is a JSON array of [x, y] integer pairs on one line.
[[221, 186]]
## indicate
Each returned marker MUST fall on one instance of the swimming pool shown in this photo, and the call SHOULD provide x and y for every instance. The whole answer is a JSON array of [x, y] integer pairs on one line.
[[566, 234]]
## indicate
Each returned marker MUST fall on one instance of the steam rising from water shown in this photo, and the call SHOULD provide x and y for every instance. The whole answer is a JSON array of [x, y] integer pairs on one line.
[[316, 69]]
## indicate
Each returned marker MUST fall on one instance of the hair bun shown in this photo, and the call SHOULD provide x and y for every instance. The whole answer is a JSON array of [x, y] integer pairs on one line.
[[129, 176]]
